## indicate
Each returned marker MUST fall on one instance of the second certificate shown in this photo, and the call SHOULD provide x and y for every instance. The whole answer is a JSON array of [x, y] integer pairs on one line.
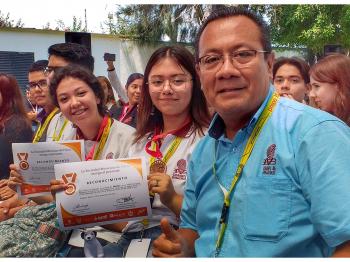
[[102, 192]]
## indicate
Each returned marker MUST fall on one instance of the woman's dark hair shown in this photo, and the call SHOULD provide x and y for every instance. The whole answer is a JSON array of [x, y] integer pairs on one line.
[[299, 63], [12, 100], [147, 120], [82, 74], [132, 78], [335, 69], [109, 86]]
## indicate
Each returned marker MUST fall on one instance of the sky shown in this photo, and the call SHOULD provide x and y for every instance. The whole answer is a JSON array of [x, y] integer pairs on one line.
[[37, 13]]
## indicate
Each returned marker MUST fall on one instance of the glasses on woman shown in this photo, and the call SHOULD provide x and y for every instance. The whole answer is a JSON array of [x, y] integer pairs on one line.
[[174, 82], [239, 58]]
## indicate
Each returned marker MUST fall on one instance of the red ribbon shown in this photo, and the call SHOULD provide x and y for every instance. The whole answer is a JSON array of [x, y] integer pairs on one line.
[[180, 132], [80, 135]]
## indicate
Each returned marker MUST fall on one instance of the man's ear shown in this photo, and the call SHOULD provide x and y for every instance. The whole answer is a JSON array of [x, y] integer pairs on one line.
[[198, 71], [308, 87], [270, 59]]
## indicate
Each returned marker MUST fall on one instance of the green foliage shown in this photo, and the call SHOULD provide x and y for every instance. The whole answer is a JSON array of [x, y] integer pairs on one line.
[[292, 26], [151, 23], [311, 26], [75, 27], [6, 21]]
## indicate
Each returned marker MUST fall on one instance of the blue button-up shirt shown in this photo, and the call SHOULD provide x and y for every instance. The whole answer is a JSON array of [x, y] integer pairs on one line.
[[293, 198]]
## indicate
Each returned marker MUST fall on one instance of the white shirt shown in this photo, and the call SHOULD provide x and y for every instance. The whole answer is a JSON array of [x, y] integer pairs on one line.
[[176, 168]]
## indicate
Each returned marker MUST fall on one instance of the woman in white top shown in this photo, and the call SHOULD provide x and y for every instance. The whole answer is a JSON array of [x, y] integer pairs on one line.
[[172, 117], [80, 98]]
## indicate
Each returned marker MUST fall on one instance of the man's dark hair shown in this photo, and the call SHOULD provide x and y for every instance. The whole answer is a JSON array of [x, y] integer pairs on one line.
[[74, 54], [231, 11], [39, 65], [297, 62]]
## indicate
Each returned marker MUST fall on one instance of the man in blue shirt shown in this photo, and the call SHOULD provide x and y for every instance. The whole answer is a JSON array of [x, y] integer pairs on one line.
[[292, 197]]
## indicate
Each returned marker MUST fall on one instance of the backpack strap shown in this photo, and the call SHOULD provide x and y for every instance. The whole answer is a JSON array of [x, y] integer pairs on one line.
[[50, 231]]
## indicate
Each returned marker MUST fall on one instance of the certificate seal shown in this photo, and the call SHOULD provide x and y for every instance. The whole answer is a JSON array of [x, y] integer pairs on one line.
[[158, 166], [71, 189], [23, 165]]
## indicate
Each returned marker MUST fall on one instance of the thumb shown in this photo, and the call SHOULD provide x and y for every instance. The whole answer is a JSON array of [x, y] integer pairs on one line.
[[169, 232]]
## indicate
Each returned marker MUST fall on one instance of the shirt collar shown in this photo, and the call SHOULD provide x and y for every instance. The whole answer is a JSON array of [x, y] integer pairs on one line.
[[217, 126], [41, 115]]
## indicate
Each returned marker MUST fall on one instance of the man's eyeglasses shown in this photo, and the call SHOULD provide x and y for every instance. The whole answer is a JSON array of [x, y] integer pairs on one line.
[[49, 69], [240, 58], [41, 83], [174, 82]]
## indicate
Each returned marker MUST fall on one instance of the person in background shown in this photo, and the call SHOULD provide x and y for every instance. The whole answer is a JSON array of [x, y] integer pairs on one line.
[[61, 55], [78, 94], [291, 78], [271, 177], [107, 89], [31, 108], [122, 98], [330, 85], [14, 127], [172, 117], [128, 112], [38, 84]]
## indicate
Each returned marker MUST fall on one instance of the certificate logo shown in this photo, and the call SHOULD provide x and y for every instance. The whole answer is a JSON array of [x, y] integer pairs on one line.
[[110, 155], [70, 180], [23, 164]]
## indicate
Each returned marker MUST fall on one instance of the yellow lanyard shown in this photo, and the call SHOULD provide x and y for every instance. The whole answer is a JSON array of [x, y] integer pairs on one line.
[[172, 148], [103, 139], [57, 138], [39, 133], [265, 115]]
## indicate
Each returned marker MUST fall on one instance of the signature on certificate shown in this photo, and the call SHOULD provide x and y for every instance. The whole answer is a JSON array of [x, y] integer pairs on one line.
[[124, 200]]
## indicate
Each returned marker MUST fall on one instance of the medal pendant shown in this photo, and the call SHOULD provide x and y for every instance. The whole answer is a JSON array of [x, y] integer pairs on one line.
[[71, 189], [158, 166]]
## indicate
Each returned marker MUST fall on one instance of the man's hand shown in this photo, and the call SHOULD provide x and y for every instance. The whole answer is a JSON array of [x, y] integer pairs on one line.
[[174, 243]]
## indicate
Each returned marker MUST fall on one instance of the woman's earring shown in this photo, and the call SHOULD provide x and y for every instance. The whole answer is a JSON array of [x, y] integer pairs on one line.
[[152, 111]]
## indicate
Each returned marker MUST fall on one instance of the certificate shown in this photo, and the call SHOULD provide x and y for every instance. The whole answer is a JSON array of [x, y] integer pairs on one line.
[[36, 163], [102, 192]]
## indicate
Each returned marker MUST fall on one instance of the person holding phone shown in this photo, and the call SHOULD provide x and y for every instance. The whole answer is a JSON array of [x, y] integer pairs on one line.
[[127, 112]]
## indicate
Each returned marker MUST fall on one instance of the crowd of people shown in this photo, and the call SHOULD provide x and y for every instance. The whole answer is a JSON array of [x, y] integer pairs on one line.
[[261, 172]]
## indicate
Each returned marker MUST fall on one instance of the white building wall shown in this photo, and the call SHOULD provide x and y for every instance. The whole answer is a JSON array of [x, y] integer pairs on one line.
[[130, 57]]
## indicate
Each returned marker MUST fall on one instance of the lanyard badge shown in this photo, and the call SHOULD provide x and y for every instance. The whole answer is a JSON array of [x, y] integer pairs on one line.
[[265, 115]]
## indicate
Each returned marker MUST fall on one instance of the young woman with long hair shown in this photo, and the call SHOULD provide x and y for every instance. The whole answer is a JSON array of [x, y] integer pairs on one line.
[[172, 117], [14, 127], [330, 85]]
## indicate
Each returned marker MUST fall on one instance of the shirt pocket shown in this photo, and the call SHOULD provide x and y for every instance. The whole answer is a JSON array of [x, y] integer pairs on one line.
[[267, 209]]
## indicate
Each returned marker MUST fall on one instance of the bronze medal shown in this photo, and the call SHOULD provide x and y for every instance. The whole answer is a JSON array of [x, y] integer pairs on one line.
[[71, 189], [23, 165], [158, 166]]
